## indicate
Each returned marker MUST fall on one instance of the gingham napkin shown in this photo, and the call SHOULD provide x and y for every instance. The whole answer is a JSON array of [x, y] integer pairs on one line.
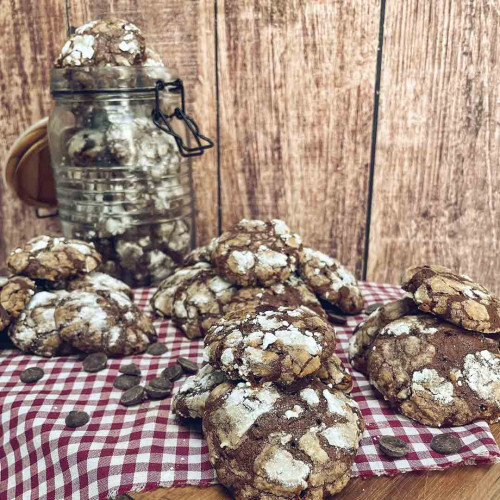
[[145, 447]]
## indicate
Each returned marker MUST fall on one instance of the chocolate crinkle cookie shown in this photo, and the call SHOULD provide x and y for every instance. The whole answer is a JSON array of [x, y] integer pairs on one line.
[[15, 293], [161, 301], [436, 373], [255, 252], [104, 321], [104, 42], [36, 331], [268, 344], [199, 302], [53, 259], [293, 293], [366, 332], [335, 374], [201, 254], [331, 281], [265, 443], [453, 297], [190, 401], [97, 281]]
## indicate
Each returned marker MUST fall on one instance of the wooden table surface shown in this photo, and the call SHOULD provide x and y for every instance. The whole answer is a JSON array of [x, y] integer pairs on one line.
[[457, 483]]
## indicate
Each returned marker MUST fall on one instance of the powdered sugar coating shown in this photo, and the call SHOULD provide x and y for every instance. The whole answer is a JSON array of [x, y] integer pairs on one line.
[[428, 380], [437, 373], [481, 372], [255, 252], [97, 281], [53, 259], [161, 301], [35, 331], [287, 450], [283, 344], [103, 321], [190, 401], [103, 42], [330, 280], [199, 301], [453, 297]]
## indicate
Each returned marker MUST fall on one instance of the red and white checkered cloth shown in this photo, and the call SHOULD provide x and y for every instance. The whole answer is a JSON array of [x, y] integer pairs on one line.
[[144, 447]]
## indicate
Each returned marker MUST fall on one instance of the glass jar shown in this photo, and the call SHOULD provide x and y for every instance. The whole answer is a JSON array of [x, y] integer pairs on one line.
[[123, 174]]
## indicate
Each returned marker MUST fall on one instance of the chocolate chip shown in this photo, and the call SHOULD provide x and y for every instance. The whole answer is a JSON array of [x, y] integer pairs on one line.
[[161, 383], [125, 382], [172, 373], [392, 446], [31, 375], [133, 396], [95, 362], [446, 444], [76, 419], [336, 319], [187, 365], [131, 369], [373, 307], [157, 349], [159, 388]]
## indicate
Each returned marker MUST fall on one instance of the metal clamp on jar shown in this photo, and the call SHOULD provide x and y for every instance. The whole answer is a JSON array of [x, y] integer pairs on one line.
[[123, 169]]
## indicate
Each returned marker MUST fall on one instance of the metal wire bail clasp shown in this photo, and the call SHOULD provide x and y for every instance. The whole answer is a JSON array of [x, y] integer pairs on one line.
[[162, 121]]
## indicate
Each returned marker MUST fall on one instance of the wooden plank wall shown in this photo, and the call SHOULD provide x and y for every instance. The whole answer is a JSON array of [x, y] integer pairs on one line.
[[382, 180]]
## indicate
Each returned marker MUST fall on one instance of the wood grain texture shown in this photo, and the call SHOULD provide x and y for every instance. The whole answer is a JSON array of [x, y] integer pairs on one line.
[[457, 483], [183, 33], [436, 195], [296, 101], [25, 59]]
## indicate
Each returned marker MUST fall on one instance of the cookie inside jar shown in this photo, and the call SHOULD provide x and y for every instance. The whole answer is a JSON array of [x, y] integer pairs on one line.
[[119, 141]]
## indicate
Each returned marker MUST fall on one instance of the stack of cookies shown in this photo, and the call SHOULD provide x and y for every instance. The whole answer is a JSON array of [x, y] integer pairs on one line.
[[56, 303], [274, 396], [433, 354]]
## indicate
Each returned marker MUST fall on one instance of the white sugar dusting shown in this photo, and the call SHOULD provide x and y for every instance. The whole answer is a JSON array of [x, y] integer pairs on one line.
[[244, 260], [428, 380], [294, 413], [292, 336], [271, 258], [286, 470], [310, 397], [482, 375], [227, 357], [269, 338], [343, 435], [242, 408], [335, 403]]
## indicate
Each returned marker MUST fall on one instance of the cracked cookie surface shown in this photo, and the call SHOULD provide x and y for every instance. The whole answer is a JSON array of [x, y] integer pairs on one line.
[[97, 281], [265, 443], [103, 321], [293, 293], [201, 254], [281, 345], [53, 259], [436, 373], [161, 301], [255, 252], [335, 374], [190, 401], [104, 42], [366, 332], [15, 293], [331, 281], [199, 302], [35, 331], [453, 297]]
